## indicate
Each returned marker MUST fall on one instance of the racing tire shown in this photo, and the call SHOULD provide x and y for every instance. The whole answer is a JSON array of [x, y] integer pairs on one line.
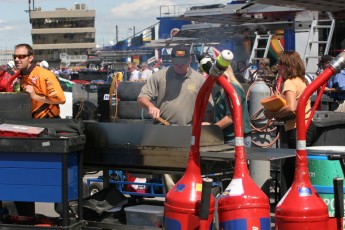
[[15, 106], [95, 188], [129, 91]]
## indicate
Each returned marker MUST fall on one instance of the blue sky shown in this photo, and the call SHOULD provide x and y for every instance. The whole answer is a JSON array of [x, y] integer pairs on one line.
[[15, 26]]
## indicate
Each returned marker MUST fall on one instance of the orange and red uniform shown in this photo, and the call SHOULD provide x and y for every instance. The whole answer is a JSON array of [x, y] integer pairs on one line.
[[45, 84]]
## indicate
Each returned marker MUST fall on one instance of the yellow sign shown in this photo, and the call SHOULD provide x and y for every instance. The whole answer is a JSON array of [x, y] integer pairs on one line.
[[198, 187]]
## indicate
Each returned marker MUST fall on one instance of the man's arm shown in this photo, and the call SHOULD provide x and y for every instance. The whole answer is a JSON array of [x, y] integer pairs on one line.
[[41, 98], [146, 103], [225, 122], [47, 89]]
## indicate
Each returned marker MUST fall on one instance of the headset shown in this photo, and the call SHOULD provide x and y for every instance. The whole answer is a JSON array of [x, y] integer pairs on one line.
[[205, 62]]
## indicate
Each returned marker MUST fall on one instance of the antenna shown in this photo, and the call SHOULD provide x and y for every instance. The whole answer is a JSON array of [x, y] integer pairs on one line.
[[29, 9]]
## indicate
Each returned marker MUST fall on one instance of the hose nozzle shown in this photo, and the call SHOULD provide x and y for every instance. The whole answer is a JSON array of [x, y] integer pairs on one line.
[[338, 63], [222, 63]]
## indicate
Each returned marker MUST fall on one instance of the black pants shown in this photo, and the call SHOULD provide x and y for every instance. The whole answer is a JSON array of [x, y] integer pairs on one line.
[[310, 136], [288, 165], [25, 208]]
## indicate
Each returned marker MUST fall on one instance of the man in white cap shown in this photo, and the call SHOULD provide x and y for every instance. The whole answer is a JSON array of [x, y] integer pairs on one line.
[[44, 64]]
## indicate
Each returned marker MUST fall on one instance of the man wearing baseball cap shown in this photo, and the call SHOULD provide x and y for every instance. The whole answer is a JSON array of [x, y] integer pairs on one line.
[[174, 89], [180, 55]]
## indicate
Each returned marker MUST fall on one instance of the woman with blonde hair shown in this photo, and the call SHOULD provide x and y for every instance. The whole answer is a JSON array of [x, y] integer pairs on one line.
[[223, 116]]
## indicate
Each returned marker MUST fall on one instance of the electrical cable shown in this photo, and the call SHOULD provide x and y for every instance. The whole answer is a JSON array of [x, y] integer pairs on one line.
[[111, 93], [81, 107], [268, 127], [113, 90]]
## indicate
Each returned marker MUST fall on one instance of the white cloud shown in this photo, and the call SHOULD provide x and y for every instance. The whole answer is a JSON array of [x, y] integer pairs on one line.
[[138, 9], [139, 14], [5, 28], [15, 27], [142, 14]]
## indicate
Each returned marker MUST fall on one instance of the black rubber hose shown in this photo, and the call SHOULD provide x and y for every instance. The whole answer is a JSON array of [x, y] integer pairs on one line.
[[338, 197], [205, 198]]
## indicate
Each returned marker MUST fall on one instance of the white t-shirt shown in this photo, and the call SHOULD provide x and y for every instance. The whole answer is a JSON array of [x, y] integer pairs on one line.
[[135, 75], [146, 74]]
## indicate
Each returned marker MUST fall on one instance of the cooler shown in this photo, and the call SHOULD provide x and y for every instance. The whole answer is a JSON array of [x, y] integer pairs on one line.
[[322, 171]]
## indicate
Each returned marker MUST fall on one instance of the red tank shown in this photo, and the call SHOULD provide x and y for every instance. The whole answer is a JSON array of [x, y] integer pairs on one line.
[[7, 81]]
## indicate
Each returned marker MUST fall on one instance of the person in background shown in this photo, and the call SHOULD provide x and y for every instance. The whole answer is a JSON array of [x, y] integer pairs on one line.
[[292, 69], [335, 87], [223, 116], [46, 95], [134, 72], [264, 67], [263, 71], [146, 73], [44, 64], [240, 72], [175, 89]]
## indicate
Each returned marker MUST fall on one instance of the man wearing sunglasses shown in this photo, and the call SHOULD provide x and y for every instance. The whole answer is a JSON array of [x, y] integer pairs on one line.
[[46, 95], [42, 85]]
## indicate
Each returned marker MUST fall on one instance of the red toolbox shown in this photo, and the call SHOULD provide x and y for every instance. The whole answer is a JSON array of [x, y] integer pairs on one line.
[[13, 130]]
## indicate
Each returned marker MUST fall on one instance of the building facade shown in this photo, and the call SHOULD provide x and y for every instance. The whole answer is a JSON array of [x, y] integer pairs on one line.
[[6, 56], [63, 32]]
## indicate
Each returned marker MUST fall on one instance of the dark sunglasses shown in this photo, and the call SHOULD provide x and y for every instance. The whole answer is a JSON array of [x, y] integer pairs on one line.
[[20, 56]]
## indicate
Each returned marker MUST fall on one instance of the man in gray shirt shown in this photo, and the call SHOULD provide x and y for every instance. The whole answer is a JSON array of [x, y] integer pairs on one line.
[[174, 88]]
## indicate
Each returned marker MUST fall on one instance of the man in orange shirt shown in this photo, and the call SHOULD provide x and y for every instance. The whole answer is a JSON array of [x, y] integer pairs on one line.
[[46, 95], [42, 85]]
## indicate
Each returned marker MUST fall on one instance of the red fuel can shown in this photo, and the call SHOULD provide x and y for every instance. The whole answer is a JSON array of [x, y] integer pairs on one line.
[[301, 207], [243, 206], [181, 208]]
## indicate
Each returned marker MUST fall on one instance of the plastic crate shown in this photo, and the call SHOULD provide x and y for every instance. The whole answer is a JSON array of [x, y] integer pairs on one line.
[[145, 215]]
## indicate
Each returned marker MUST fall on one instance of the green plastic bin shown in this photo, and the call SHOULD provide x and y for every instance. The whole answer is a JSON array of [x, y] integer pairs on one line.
[[322, 171]]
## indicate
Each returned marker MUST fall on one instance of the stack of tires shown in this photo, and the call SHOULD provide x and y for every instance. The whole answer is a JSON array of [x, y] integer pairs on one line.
[[15, 106], [128, 107]]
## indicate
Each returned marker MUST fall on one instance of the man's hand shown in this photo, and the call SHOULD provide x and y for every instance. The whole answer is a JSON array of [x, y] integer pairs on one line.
[[30, 89], [154, 112], [330, 90], [34, 96], [269, 115]]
